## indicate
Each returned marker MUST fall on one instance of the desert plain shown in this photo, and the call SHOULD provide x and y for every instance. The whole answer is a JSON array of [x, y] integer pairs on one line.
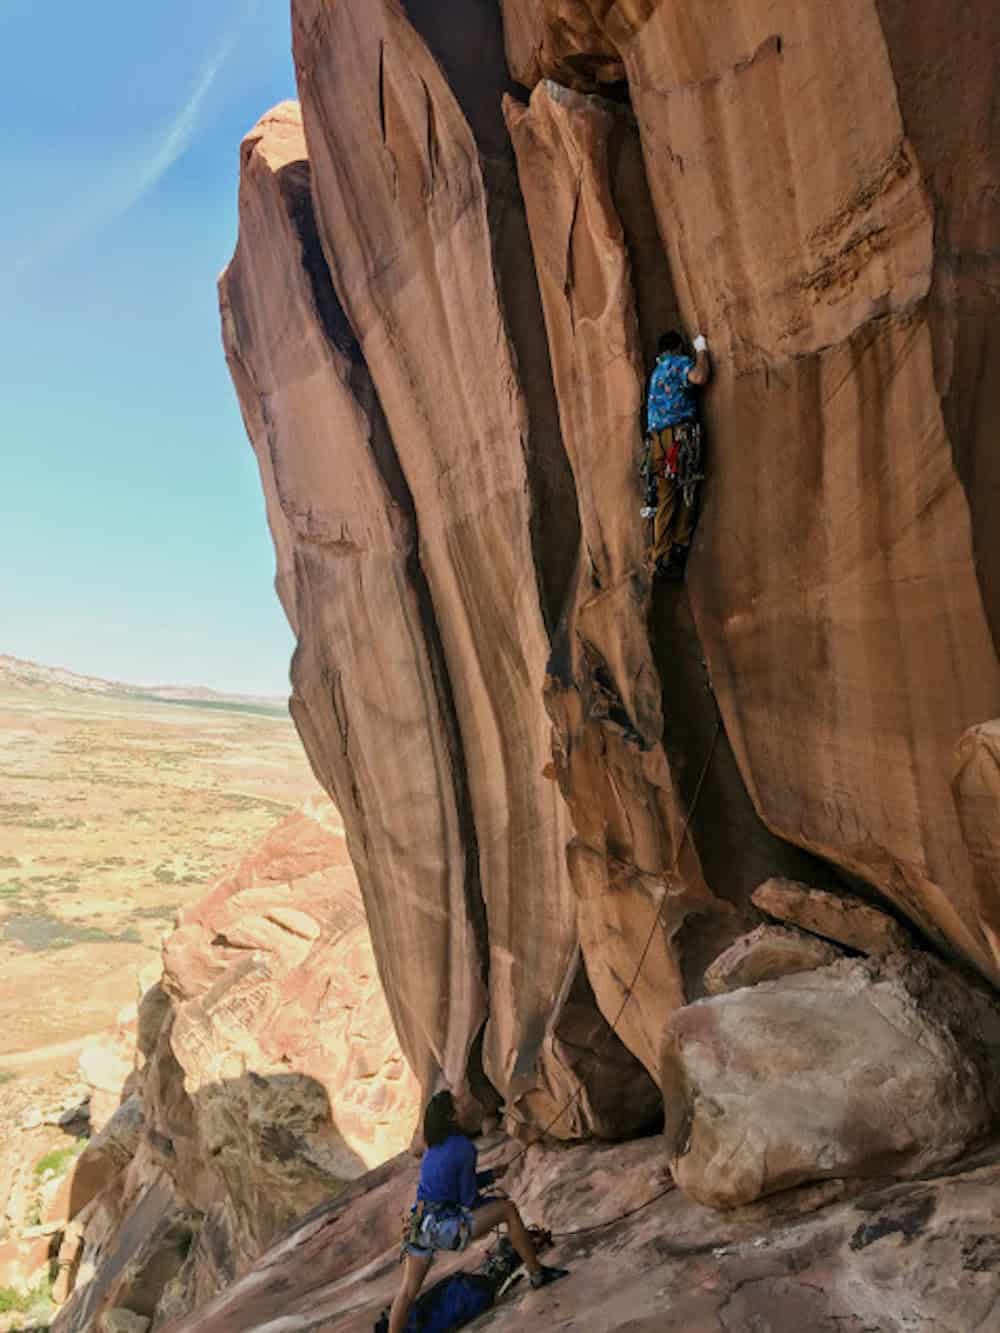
[[116, 809]]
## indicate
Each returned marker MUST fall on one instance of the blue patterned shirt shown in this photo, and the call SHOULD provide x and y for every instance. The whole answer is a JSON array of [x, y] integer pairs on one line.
[[671, 396]]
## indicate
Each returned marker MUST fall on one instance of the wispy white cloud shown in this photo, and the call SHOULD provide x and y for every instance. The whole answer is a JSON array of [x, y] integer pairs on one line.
[[120, 188]]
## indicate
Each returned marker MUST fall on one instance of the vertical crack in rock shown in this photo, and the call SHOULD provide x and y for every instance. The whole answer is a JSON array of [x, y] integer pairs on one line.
[[622, 737], [433, 280], [834, 577], [371, 698], [479, 87]]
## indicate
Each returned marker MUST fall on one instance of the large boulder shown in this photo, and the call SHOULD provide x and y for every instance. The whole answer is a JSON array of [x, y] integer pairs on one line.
[[858, 1069]]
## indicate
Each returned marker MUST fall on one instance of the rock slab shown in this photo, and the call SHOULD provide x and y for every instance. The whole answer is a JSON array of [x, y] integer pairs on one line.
[[849, 922]]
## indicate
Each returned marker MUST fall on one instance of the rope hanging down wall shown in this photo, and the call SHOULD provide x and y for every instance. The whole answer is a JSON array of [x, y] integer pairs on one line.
[[630, 989]]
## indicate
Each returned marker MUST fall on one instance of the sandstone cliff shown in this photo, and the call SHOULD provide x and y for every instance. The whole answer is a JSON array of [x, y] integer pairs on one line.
[[440, 317]]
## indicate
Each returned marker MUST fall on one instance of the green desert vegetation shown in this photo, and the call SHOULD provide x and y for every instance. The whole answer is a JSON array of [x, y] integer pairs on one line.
[[20, 1302], [58, 1161], [42, 931]]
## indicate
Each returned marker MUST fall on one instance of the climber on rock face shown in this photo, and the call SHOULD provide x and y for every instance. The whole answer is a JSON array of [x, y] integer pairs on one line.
[[672, 457], [450, 1211]]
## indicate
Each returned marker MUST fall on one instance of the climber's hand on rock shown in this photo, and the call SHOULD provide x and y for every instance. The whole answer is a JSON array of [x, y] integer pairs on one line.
[[700, 343]]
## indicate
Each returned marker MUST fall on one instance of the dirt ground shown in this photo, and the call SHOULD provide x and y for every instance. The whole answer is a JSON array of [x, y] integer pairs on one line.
[[114, 812]]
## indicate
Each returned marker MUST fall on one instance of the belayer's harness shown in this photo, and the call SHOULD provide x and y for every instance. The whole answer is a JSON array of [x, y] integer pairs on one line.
[[422, 1212]]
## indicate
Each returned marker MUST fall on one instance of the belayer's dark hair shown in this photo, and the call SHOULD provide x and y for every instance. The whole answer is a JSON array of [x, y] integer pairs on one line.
[[670, 342], [439, 1119]]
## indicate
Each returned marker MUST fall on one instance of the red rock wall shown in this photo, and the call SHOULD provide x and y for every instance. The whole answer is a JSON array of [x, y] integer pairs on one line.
[[835, 585], [449, 442], [830, 225], [371, 700]]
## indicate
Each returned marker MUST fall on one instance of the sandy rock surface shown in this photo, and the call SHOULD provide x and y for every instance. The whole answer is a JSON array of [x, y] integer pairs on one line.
[[599, 772], [814, 210], [464, 384]]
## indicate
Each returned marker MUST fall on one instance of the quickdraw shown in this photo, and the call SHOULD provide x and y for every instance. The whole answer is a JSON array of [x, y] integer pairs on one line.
[[687, 441]]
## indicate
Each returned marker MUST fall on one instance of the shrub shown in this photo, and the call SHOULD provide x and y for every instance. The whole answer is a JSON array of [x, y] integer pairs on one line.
[[58, 1160]]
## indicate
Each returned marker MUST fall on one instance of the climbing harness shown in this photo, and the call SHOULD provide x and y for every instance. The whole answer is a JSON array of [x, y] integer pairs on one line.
[[682, 463], [435, 1226]]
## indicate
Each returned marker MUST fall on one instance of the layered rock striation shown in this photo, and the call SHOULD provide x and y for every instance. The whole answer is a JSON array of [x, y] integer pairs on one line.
[[372, 700]]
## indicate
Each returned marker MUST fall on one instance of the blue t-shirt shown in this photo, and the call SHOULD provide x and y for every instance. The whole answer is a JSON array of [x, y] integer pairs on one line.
[[671, 396], [448, 1173]]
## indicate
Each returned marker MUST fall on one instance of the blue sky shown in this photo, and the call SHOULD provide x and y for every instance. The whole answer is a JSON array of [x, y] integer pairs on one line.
[[133, 542]]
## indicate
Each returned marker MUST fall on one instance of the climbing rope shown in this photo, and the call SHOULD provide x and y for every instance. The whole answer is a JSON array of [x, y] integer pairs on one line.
[[630, 989], [610, 1221]]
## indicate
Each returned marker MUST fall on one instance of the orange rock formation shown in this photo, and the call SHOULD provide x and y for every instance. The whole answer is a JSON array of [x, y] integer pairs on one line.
[[448, 442], [268, 1075]]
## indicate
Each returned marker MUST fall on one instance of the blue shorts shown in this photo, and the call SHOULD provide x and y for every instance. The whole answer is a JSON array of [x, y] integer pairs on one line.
[[441, 1229]]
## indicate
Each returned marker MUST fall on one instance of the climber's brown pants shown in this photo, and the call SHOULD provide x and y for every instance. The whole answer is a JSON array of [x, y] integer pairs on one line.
[[674, 521]]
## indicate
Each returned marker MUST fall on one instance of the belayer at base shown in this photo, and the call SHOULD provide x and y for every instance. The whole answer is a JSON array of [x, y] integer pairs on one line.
[[450, 1211], [672, 457]]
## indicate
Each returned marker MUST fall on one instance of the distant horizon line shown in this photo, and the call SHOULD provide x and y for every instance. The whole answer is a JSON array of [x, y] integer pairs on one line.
[[150, 686]]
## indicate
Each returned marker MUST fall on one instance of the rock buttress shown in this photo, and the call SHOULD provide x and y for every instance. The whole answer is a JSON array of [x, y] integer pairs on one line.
[[666, 840], [370, 696], [830, 224], [422, 224]]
